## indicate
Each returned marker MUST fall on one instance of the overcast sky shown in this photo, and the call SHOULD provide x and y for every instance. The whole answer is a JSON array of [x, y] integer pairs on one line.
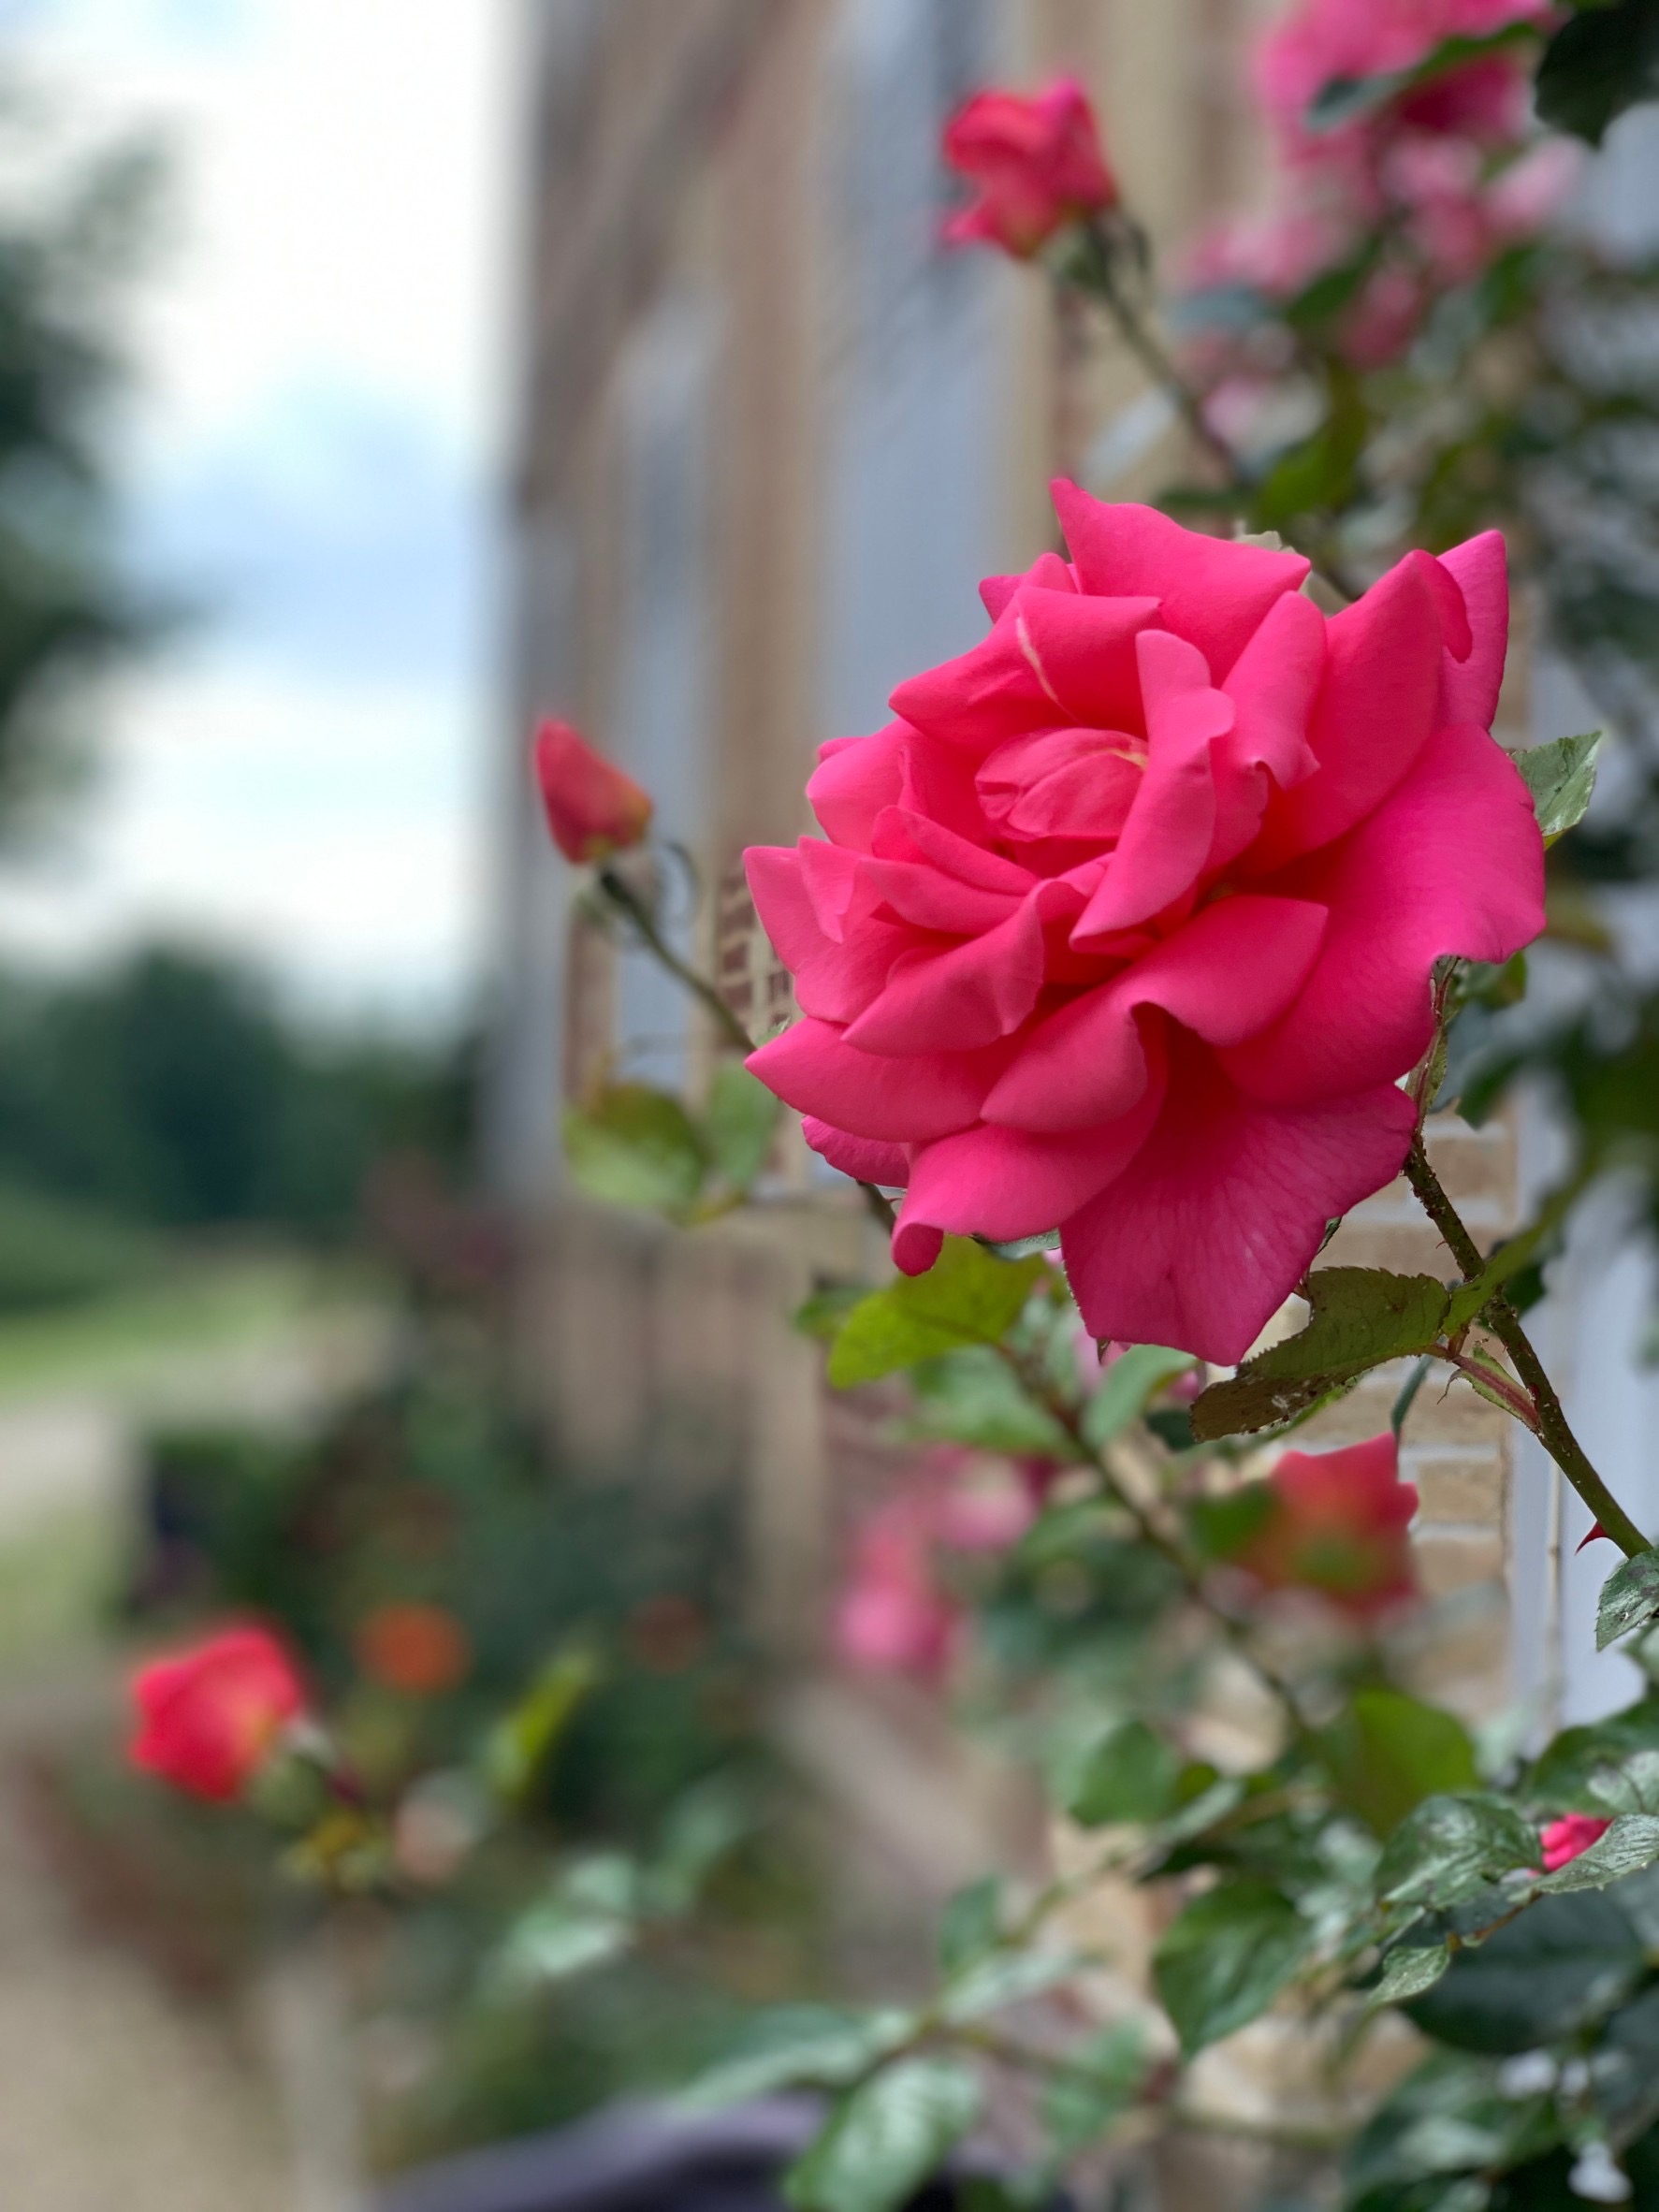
[[315, 460]]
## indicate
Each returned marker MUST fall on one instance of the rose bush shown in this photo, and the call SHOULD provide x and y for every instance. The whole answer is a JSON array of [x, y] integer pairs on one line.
[[1126, 925]]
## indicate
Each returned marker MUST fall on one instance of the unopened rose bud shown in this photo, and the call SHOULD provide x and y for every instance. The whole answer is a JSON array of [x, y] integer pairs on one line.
[[211, 1718], [1036, 162], [593, 810]]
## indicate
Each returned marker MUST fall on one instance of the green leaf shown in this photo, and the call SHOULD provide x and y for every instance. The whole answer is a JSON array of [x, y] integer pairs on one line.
[[823, 1314], [1560, 779], [1226, 1958], [974, 1397], [814, 2046], [1133, 1377], [1003, 1978], [1629, 1598], [522, 1741], [1608, 1765], [1102, 2081], [1129, 1775], [966, 1298], [1409, 1971], [636, 1147], [1452, 1847], [1629, 1845], [1388, 1752], [1564, 1963], [586, 1923], [1361, 1316], [969, 1926], [1599, 62], [1345, 99], [886, 2138], [738, 1124]]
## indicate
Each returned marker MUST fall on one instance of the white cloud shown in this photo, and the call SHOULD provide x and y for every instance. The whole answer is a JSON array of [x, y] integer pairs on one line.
[[346, 177]]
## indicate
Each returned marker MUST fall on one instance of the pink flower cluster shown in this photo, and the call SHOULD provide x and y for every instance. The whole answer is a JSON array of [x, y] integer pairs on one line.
[[1430, 182], [898, 1613], [1125, 923]]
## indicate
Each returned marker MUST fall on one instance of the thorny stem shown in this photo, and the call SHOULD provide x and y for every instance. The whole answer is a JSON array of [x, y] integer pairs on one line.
[[1148, 1528], [627, 902], [1553, 1427]]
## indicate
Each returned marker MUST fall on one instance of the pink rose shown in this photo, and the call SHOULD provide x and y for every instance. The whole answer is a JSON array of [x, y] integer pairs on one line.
[[1568, 1837], [1324, 42], [593, 808], [891, 1617], [210, 1717], [1126, 924], [1036, 162], [1338, 1525]]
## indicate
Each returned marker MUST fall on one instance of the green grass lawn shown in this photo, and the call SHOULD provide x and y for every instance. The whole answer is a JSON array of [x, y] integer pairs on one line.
[[192, 1307]]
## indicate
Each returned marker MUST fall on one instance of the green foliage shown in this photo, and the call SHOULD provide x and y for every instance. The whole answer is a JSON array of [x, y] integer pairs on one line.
[[972, 1918], [1451, 1848], [1226, 1958], [1629, 1598], [798, 2045], [972, 1396], [966, 1298], [1134, 1378], [1101, 2080], [635, 1146], [739, 1124], [1601, 61], [885, 2138], [1359, 1317], [1388, 1751], [1561, 777], [1564, 1963], [1130, 1775]]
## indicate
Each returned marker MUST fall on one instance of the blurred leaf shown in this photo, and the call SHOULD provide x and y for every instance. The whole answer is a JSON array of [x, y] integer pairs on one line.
[[1409, 1971], [1004, 1978], [635, 1146], [969, 1926], [738, 1124], [1226, 1958], [524, 1740], [704, 1827], [816, 2046], [973, 1397], [1346, 99], [1451, 1847], [886, 2138], [1561, 777], [1223, 1526], [1132, 1378], [1173, 1427], [1388, 1752], [1562, 1964], [823, 1314], [1601, 62], [1449, 2119], [567, 1934], [1100, 2082], [966, 1298], [1629, 1598], [1129, 1775], [1361, 1318], [1589, 1769]]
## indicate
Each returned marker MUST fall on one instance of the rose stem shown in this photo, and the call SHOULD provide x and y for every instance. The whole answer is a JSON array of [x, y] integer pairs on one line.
[[1553, 1429], [626, 899]]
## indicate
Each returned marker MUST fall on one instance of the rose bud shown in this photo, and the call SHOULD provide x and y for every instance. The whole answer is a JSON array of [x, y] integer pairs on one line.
[[1569, 1836], [593, 810], [211, 1718], [1036, 162], [1338, 1526]]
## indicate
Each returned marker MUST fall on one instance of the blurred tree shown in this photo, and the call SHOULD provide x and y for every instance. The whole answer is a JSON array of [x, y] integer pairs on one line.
[[72, 231]]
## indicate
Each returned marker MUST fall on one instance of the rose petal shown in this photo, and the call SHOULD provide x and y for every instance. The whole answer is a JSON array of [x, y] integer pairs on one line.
[[1225, 1209], [908, 1102], [861, 1157]]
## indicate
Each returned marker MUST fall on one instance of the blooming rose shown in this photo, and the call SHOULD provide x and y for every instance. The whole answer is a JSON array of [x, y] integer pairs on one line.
[[1569, 1836], [1325, 42], [1036, 162], [1338, 1525], [593, 810], [1127, 923], [209, 1718]]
